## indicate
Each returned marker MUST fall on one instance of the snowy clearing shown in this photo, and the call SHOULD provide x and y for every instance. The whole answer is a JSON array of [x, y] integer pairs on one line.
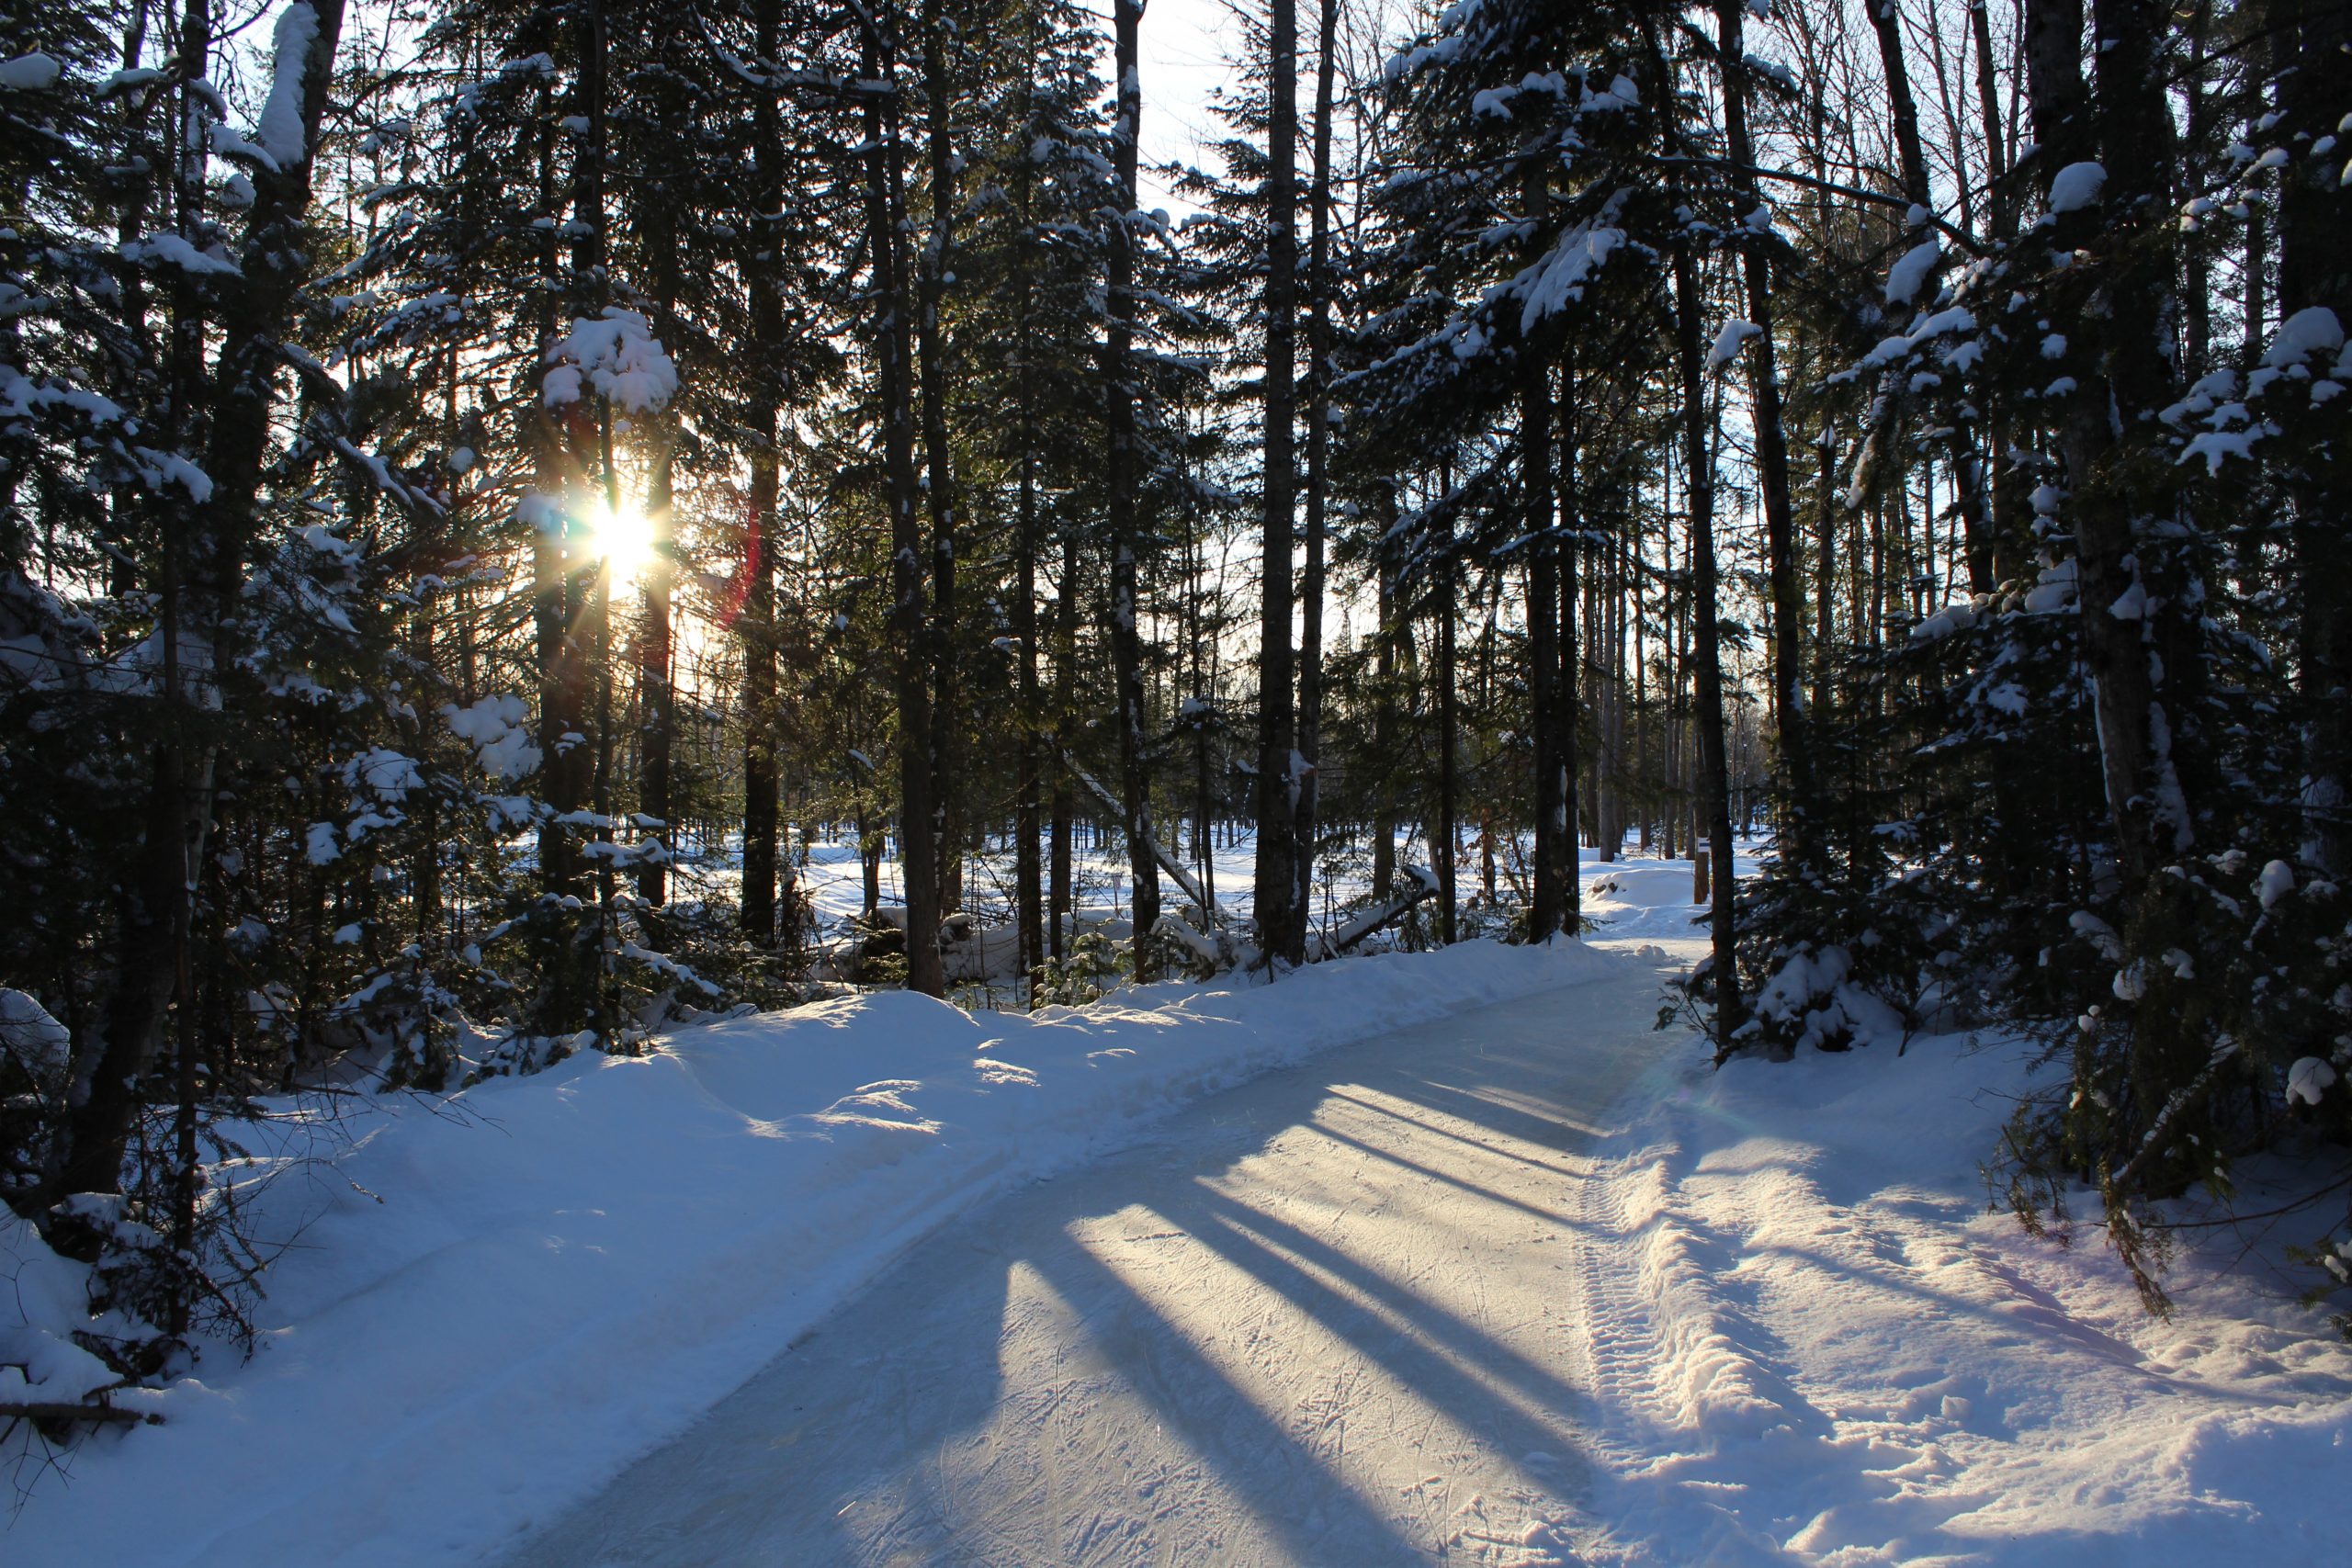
[[1512, 1280]]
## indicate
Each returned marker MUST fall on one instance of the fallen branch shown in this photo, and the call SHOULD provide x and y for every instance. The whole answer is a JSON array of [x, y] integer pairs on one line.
[[1176, 873], [1425, 885], [104, 1414]]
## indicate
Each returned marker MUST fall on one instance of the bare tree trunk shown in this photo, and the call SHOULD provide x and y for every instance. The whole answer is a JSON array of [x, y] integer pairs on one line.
[[2316, 272], [1061, 901], [1281, 898], [1319, 284], [1121, 479], [1384, 712], [761, 773], [918, 819], [939, 489], [1713, 793], [1443, 832], [1772, 455], [1027, 813]]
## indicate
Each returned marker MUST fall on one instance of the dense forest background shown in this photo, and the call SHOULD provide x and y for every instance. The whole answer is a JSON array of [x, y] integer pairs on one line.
[[486, 487]]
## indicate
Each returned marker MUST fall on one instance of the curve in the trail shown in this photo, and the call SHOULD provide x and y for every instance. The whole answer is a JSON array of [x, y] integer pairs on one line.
[[1324, 1318]]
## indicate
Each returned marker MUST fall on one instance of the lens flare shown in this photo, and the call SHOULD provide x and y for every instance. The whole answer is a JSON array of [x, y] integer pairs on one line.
[[624, 540]]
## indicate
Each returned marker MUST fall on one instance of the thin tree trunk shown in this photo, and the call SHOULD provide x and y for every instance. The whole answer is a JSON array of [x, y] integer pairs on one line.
[[756, 619]]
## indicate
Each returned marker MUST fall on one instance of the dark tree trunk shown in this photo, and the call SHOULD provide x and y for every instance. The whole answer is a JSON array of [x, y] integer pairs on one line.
[[1320, 285], [1714, 802], [1027, 812], [1772, 455], [103, 1094], [886, 214], [2315, 271], [1384, 713], [1061, 902], [756, 619], [1555, 843], [1281, 900], [939, 491], [1126, 538]]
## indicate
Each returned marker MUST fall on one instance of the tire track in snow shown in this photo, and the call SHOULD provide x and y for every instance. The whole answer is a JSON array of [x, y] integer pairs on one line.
[[1321, 1319]]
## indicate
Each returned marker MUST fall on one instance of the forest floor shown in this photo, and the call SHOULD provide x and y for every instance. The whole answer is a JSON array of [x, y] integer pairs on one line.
[[1450, 1257]]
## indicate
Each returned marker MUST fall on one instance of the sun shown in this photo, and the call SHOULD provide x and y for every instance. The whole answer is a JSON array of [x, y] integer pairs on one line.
[[623, 538]]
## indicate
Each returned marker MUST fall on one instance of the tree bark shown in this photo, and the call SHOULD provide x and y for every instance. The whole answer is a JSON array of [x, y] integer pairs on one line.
[[1772, 455], [885, 204], [1121, 479], [1706, 652], [103, 1093], [2315, 271], [1319, 284], [1281, 900]]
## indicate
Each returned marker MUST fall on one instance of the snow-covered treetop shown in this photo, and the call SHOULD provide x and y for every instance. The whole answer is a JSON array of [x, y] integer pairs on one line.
[[620, 358]]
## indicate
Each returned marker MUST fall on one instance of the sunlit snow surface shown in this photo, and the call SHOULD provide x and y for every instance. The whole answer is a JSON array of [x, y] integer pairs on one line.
[[1525, 1287]]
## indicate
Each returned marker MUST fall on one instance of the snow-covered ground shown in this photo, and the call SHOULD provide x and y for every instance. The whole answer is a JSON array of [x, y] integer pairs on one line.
[[1406, 1280], [1639, 897], [1809, 1340], [492, 1302]]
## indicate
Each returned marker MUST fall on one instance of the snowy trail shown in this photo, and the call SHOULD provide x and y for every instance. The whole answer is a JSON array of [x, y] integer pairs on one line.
[[1324, 1318]]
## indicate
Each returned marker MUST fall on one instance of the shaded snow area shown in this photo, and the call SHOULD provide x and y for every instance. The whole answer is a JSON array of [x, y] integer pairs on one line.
[[493, 1302]]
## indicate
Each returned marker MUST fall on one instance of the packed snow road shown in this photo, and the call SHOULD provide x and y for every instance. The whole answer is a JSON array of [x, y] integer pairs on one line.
[[1329, 1317]]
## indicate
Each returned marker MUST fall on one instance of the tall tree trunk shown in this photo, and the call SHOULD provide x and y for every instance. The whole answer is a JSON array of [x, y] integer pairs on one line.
[[1903, 108], [1547, 649], [1555, 844], [1028, 895], [939, 490], [1772, 454], [1444, 833], [2316, 272], [1281, 899], [1320, 285], [1384, 711], [1061, 902], [1121, 479], [103, 1092], [2122, 369], [1706, 650], [885, 204], [756, 619]]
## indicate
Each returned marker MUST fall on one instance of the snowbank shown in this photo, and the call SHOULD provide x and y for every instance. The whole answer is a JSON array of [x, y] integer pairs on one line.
[[495, 1303], [1811, 1342]]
